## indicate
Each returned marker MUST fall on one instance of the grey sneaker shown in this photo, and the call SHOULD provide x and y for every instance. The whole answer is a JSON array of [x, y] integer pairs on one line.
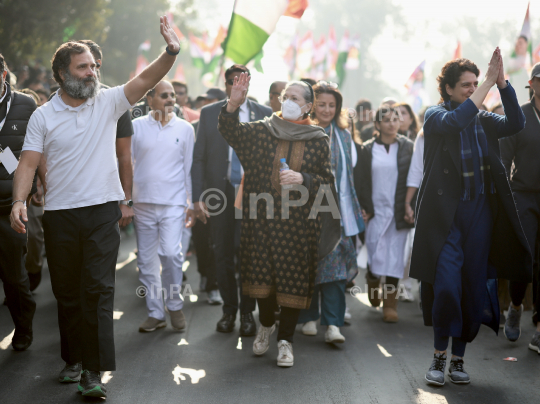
[[70, 373], [535, 342], [512, 329], [178, 321], [435, 374], [90, 384], [214, 298], [262, 340], [152, 324], [457, 373]]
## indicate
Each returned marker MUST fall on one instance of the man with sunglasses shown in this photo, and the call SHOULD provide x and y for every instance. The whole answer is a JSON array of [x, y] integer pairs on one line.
[[217, 170], [162, 155]]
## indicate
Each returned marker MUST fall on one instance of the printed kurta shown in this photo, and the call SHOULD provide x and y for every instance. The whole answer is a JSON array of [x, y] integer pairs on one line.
[[278, 255]]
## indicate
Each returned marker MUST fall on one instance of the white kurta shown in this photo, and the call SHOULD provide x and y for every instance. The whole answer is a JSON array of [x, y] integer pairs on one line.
[[385, 244]]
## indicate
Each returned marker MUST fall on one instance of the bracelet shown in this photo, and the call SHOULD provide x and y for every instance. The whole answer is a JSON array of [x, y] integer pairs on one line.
[[18, 200], [171, 53]]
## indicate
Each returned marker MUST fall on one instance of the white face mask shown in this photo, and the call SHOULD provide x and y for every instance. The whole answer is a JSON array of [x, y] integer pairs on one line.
[[291, 110]]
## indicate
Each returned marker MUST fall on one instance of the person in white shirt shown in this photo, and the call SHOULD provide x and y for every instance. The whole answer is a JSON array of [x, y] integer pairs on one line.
[[162, 149], [75, 133]]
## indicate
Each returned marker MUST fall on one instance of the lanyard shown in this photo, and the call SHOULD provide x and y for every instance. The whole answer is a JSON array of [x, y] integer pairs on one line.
[[7, 112]]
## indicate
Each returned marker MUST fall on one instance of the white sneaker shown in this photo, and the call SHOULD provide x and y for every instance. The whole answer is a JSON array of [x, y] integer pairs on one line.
[[214, 298], [285, 357], [333, 336], [405, 291], [262, 340], [348, 317], [309, 328]]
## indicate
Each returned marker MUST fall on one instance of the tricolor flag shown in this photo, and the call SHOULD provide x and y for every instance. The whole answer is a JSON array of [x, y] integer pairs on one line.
[[343, 54], [252, 23], [205, 53], [457, 52], [290, 56], [318, 62], [304, 54], [142, 57], [417, 76], [522, 55], [175, 27], [416, 94], [332, 56], [353, 57]]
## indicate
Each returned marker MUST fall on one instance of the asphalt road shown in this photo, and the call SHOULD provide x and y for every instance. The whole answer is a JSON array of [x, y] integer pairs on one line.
[[379, 362]]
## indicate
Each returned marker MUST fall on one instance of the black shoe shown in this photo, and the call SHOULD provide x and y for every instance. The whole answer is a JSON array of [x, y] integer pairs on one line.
[[248, 328], [226, 324], [21, 342], [90, 384], [70, 373], [35, 280]]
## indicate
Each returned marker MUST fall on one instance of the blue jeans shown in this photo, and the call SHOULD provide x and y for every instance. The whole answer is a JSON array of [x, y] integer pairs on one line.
[[332, 304]]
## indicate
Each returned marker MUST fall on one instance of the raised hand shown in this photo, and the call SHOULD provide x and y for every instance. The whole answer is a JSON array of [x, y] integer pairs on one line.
[[239, 90], [169, 35], [495, 63], [501, 80]]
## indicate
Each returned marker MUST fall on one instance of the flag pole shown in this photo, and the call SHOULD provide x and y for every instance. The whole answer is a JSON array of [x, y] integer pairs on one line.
[[224, 46]]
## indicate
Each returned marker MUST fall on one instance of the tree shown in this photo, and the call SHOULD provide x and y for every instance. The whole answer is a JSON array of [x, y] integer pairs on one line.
[[34, 29], [132, 22]]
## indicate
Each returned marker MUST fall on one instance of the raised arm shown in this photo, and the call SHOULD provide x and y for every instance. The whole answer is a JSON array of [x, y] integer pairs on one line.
[[136, 88]]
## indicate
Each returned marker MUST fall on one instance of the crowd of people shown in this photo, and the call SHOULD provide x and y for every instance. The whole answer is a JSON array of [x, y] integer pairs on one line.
[[450, 197]]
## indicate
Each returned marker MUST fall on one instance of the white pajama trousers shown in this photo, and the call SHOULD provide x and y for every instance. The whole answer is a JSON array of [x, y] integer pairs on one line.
[[159, 231]]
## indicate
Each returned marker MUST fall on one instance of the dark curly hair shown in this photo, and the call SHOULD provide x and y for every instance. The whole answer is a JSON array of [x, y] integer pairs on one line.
[[2, 64], [62, 57], [451, 72]]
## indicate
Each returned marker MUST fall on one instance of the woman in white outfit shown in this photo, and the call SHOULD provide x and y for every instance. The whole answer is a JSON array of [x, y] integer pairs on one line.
[[385, 162]]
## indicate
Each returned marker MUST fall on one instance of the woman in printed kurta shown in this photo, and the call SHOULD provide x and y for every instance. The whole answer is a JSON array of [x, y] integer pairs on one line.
[[279, 254], [339, 266]]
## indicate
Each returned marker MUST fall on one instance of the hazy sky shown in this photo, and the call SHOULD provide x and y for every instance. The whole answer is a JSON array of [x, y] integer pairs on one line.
[[398, 58]]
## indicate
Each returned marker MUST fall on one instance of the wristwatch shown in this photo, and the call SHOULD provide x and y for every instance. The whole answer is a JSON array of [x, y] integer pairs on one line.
[[129, 203]]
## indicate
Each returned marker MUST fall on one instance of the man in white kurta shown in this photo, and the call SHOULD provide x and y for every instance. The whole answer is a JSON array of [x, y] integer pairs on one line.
[[162, 147]]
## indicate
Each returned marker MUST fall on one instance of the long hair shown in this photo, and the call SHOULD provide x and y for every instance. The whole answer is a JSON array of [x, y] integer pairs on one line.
[[414, 127], [341, 117]]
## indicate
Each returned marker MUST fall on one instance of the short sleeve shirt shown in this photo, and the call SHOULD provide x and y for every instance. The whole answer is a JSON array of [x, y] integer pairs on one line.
[[79, 145]]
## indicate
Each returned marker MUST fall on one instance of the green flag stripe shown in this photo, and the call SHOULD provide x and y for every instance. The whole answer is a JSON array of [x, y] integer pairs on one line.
[[245, 40]]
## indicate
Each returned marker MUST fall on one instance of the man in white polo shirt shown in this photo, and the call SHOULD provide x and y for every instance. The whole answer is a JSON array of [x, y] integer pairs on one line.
[[162, 149], [75, 133]]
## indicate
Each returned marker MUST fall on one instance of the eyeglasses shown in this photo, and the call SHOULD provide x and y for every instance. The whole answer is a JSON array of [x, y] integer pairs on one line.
[[328, 84]]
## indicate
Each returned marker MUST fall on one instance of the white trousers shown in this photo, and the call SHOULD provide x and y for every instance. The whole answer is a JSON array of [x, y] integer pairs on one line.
[[159, 231]]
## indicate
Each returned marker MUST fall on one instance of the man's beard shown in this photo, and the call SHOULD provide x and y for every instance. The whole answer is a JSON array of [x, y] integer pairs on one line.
[[77, 88]]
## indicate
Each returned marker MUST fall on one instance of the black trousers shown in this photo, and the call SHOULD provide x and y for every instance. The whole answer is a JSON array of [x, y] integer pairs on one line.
[[288, 318], [206, 261], [226, 241], [82, 248], [528, 205], [13, 274]]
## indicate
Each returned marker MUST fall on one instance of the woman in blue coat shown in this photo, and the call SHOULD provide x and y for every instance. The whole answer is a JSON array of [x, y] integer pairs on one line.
[[467, 228]]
